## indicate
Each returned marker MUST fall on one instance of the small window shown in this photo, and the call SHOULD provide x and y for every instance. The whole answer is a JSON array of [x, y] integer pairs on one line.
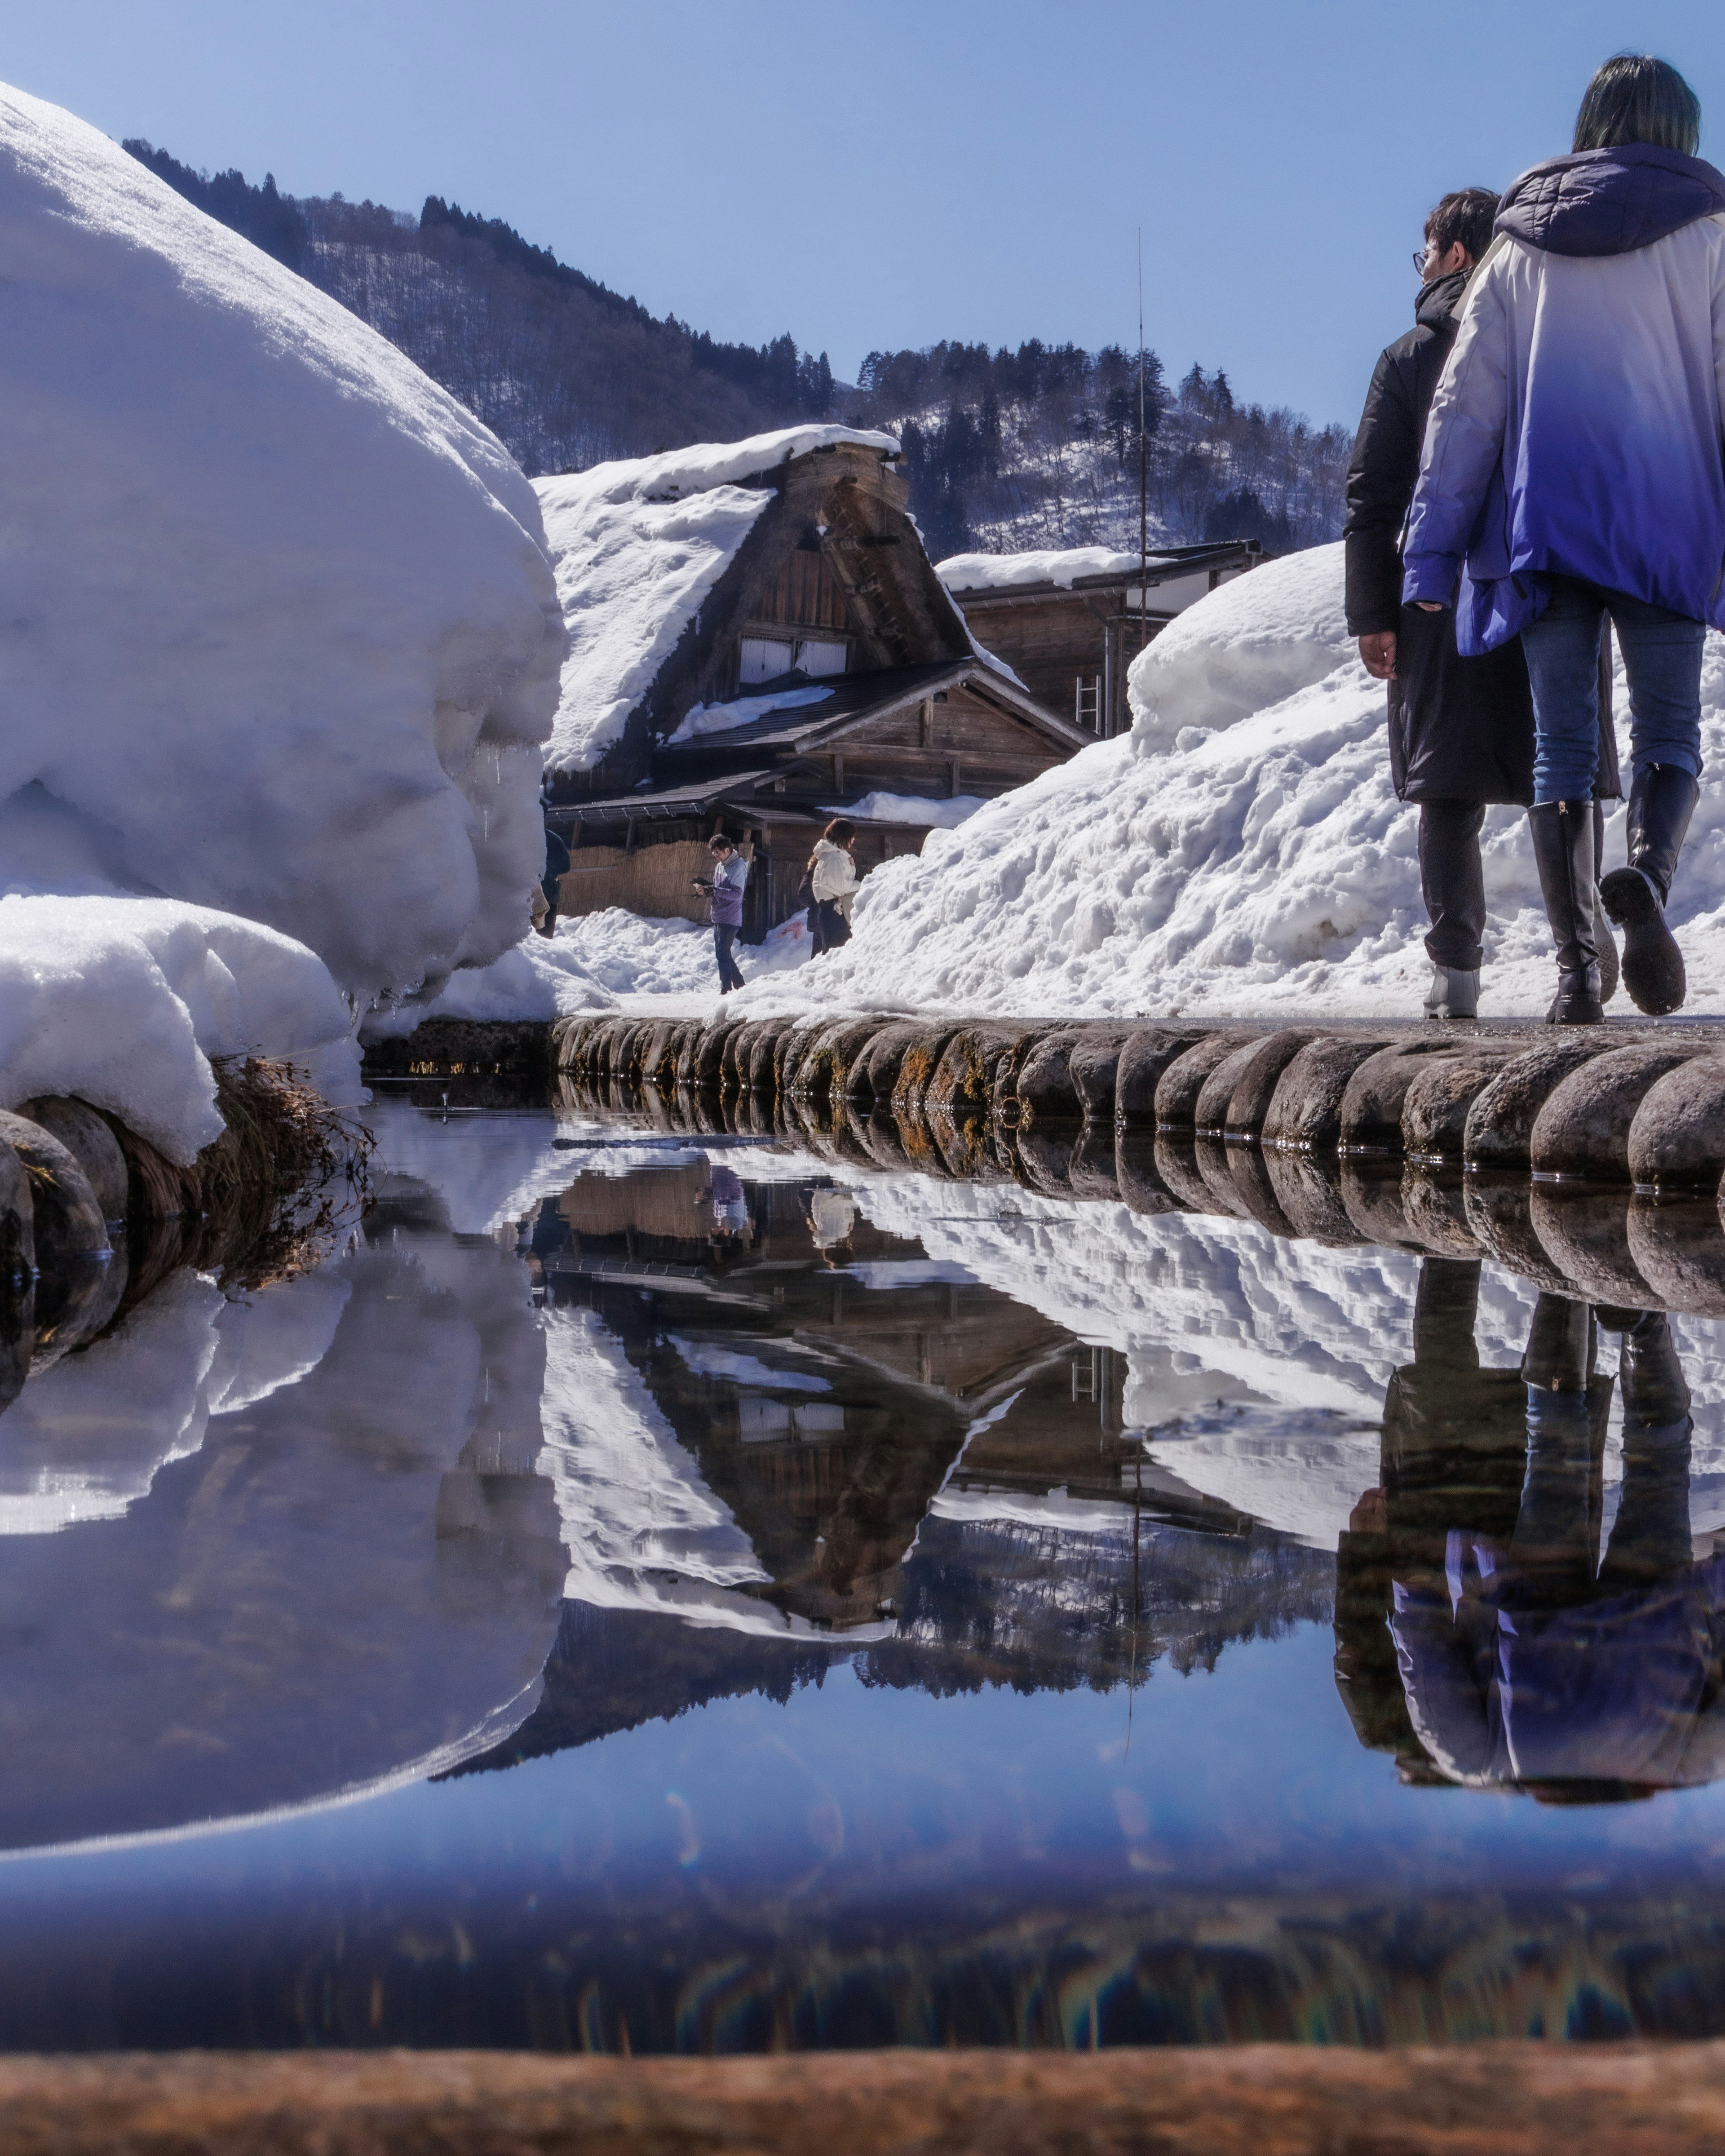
[[816, 658], [764, 658]]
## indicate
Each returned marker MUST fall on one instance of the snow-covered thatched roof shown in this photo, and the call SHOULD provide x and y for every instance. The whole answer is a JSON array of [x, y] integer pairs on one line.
[[638, 545]]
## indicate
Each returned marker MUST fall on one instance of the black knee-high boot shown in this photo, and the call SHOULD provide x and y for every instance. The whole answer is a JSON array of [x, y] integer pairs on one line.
[[1563, 848], [1662, 800]]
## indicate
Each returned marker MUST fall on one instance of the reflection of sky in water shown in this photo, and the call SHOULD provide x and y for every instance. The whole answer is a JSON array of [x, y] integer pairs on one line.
[[847, 1676]]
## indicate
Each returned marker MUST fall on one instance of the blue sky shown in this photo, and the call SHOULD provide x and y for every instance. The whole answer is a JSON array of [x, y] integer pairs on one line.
[[889, 173]]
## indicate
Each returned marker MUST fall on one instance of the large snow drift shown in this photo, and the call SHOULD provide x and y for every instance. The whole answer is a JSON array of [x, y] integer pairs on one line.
[[638, 545], [281, 638], [1241, 851]]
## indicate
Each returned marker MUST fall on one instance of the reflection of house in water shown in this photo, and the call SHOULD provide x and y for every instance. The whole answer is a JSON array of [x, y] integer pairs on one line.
[[863, 1452]]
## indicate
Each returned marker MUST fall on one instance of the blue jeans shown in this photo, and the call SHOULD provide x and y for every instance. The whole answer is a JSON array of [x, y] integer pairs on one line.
[[1662, 656], [730, 975]]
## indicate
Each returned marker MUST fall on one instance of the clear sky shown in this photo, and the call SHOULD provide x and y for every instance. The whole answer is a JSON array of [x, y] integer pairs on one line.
[[889, 174]]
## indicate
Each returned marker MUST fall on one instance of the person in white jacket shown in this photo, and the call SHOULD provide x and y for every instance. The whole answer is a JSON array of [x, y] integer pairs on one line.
[[832, 880], [1572, 470]]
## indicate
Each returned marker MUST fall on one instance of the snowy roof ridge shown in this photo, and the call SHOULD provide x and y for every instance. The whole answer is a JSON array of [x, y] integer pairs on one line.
[[1058, 566], [670, 475]]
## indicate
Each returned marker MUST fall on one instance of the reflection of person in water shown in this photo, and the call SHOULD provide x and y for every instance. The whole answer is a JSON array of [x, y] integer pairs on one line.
[[1521, 1658], [831, 1215], [545, 1237], [730, 1207]]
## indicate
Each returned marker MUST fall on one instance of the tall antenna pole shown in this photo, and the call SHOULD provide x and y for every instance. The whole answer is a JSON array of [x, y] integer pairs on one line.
[[1143, 470]]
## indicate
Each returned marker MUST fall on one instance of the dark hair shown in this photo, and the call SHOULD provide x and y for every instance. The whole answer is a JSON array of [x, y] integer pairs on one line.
[[719, 843], [839, 829], [1466, 216], [1635, 98]]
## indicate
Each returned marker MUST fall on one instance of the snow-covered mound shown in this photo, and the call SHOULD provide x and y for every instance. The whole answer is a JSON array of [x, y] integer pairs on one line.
[[595, 960], [282, 639], [1061, 566], [638, 545], [123, 1001], [1242, 850]]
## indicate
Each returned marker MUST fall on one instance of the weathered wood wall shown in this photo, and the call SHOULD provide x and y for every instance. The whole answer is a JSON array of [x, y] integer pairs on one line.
[[654, 880]]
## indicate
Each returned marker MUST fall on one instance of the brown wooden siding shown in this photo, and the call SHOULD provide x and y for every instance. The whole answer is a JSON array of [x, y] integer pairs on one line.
[[1055, 644], [805, 594]]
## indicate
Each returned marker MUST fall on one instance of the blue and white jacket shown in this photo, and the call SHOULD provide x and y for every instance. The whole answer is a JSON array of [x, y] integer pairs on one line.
[[1579, 426]]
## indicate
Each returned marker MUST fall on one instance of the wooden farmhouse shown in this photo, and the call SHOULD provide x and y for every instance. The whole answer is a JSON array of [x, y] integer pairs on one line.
[[1069, 623], [758, 643]]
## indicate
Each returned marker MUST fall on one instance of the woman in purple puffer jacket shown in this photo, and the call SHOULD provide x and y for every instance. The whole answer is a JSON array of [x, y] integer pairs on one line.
[[1572, 469], [730, 875]]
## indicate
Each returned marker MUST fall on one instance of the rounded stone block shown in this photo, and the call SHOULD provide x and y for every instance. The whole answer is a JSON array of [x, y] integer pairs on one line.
[[74, 1301], [1095, 1066], [1136, 1173], [874, 1072], [1258, 1194], [1045, 1159], [1309, 1192], [1306, 1108], [1209, 1111], [18, 1223], [1372, 1198], [1177, 1165], [763, 1051], [1256, 1083], [1586, 1235], [964, 1078], [791, 1045], [1372, 1105], [1143, 1057], [67, 1221], [1584, 1128], [1678, 1248], [1500, 1124], [1435, 1210], [1677, 1141], [708, 1063], [1222, 1194], [1435, 1107], [1183, 1081], [1498, 1207], [1044, 1088], [1093, 1171], [824, 1066]]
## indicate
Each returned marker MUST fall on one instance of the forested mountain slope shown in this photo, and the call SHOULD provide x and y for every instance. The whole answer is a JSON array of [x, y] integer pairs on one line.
[[1035, 448]]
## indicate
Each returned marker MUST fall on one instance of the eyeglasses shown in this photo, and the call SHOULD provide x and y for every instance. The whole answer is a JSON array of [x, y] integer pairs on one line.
[[1421, 259]]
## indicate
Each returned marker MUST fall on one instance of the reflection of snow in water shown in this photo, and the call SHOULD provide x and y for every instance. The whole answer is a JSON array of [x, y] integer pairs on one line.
[[86, 1439], [1312, 1332], [707, 1361]]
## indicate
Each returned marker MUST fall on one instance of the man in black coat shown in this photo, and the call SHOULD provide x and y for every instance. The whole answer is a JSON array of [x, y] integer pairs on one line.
[[1460, 730]]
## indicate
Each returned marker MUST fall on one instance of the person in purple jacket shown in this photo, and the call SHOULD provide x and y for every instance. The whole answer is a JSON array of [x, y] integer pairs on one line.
[[730, 875], [1572, 469]]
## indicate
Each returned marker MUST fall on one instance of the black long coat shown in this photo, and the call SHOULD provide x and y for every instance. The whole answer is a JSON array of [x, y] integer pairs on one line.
[[1460, 729]]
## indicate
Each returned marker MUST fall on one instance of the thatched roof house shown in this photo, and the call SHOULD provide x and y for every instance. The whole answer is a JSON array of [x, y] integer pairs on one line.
[[758, 641]]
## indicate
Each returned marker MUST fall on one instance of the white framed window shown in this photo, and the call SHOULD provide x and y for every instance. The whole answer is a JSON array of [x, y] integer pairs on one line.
[[764, 658], [817, 658]]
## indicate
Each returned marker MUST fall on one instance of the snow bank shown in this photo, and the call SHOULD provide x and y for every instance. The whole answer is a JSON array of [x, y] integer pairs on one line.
[[277, 607], [595, 961], [1063, 567], [123, 1001], [1240, 852], [637, 547]]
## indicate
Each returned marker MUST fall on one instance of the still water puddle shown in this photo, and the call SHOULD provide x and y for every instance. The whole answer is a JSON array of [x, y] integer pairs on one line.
[[667, 1594]]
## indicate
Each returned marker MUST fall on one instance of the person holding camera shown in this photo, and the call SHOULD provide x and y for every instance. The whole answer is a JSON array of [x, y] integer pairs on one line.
[[729, 880]]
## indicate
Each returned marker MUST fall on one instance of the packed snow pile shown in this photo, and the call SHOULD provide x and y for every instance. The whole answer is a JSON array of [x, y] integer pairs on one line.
[[946, 815], [638, 545], [1240, 852], [741, 711], [123, 1002], [282, 637]]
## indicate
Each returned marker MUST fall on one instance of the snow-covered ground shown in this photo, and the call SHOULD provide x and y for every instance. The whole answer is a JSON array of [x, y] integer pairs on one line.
[[1240, 851], [282, 643]]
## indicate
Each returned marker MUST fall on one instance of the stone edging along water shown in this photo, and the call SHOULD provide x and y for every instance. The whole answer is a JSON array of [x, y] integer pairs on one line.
[[93, 1218], [1588, 1161]]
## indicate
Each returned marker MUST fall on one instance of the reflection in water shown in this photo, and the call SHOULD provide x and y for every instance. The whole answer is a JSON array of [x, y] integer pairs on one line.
[[764, 1604], [1521, 1655]]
